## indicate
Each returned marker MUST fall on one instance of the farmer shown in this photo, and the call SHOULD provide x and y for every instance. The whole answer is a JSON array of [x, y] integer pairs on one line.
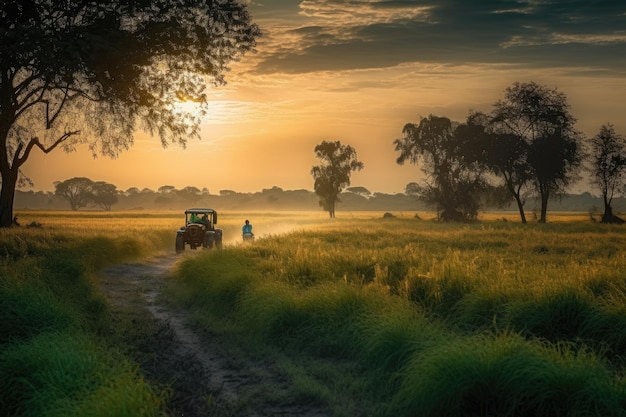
[[246, 229]]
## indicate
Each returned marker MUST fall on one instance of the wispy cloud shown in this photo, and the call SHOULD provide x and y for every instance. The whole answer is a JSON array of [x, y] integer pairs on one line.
[[331, 35]]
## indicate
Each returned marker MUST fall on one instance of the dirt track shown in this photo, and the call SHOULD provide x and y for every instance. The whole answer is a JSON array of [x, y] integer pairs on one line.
[[205, 378]]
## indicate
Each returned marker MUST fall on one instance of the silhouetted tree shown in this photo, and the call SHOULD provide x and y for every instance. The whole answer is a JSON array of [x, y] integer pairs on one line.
[[503, 154], [333, 174], [272, 195], [189, 194], [413, 189], [104, 194], [551, 150], [453, 183], [78, 191], [93, 72], [608, 167], [166, 189], [362, 191]]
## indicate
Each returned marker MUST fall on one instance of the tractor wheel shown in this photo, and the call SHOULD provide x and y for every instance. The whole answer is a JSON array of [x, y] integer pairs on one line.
[[180, 243], [218, 240], [208, 241]]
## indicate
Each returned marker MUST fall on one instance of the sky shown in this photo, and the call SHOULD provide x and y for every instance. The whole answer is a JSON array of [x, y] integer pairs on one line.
[[357, 71]]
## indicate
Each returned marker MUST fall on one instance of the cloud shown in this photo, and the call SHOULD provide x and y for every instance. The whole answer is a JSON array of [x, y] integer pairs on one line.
[[332, 35]]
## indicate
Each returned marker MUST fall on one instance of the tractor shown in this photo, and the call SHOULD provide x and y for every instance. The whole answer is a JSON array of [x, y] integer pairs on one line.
[[199, 230]]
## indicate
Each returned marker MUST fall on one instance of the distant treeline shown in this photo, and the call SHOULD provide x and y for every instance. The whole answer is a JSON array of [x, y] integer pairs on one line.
[[275, 198]]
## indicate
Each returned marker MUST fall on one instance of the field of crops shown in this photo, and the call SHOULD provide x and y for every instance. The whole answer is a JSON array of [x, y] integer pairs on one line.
[[394, 316]]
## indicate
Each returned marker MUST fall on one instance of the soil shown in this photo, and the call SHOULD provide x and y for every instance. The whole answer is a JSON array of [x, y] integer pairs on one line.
[[202, 374]]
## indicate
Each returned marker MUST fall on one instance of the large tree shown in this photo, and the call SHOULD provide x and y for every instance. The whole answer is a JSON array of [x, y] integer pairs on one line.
[[333, 174], [96, 71], [104, 194], [78, 191], [502, 154], [608, 167], [548, 147], [454, 182]]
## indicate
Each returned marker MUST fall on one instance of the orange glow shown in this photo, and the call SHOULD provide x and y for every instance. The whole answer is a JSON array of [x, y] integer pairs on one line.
[[263, 137]]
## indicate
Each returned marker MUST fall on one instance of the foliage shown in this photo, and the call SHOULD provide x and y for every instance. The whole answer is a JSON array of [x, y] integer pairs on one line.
[[528, 140], [454, 182], [333, 175], [77, 191], [270, 199], [544, 147], [81, 192], [502, 154], [104, 194], [608, 166], [95, 72]]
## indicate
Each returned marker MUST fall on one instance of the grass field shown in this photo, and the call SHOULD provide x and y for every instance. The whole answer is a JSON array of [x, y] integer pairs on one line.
[[487, 318], [58, 356], [366, 315]]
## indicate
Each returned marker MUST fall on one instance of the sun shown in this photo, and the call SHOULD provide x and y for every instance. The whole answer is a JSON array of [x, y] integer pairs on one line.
[[193, 109]]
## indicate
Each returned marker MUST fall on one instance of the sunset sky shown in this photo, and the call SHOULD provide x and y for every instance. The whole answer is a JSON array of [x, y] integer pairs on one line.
[[357, 72]]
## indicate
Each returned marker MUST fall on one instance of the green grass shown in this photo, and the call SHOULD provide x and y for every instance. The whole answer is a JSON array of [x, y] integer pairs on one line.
[[70, 374], [488, 318], [56, 355]]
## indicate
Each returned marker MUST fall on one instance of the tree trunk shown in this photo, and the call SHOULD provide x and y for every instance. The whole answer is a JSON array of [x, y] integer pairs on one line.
[[520, 207], [544, 207], [515, 192], [607, 217], [7, 196]]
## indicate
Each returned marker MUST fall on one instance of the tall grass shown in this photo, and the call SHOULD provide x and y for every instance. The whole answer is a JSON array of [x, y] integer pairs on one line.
[[55, 357], [489, 318], [67, 374]]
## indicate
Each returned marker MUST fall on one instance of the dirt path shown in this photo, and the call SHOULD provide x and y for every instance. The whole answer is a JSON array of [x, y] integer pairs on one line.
[[205, 379]]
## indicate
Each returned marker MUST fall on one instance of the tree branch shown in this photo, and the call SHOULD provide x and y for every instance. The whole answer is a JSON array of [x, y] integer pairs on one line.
[[19, 160]]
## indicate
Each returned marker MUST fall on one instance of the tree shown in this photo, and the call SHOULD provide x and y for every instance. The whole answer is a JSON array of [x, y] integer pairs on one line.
[[95, 72], [166, 189], [189, 194], [502, 154], [608, 167], [333, 174], [78, 191], [104, 194], [362, 191], [453, 183], [548, 148]]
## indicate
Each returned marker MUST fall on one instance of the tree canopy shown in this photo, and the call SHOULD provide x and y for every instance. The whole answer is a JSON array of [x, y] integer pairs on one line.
[[95, 72], [78, 191], [608, 167], [333, 174], [104, 194], [541, 142], [453, 182]]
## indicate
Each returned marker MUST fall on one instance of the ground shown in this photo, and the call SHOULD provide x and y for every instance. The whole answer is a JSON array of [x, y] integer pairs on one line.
[[203, 375]]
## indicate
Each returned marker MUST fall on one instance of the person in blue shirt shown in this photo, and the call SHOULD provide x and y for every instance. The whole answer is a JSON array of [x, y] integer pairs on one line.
[[246, 229]]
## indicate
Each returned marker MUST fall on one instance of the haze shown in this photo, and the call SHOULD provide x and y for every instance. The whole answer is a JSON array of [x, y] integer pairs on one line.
[[357, 71]]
